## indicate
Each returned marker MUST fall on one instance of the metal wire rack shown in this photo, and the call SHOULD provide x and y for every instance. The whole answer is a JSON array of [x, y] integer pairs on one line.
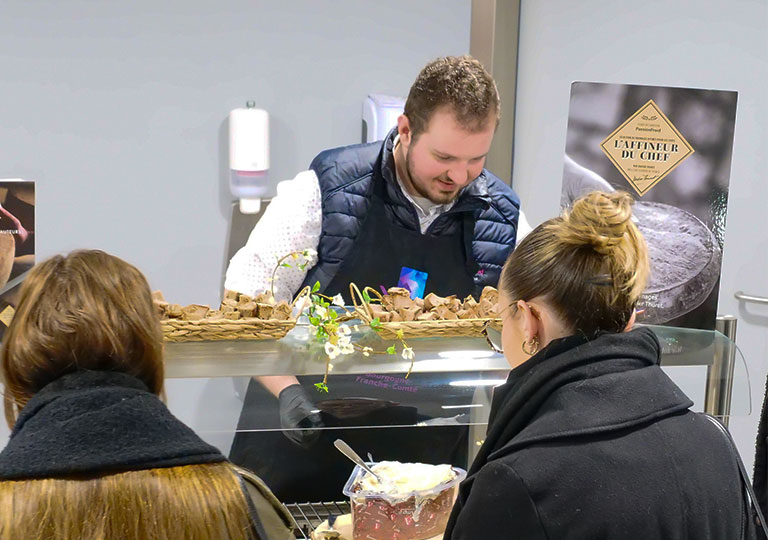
[[307, 516]]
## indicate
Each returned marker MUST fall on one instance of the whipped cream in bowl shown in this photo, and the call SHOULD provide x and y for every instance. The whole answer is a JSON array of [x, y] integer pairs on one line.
[[403, 479]]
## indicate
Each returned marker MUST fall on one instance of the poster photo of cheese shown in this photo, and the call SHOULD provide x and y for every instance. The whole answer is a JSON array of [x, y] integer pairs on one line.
[[671, 149], [17, 242]]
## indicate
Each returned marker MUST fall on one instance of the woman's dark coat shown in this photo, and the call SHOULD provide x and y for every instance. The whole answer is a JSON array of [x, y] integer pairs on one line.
[[591, 440], [96, 423]]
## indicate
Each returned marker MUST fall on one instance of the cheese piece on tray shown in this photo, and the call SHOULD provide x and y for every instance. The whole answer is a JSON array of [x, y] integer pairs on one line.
[[228, 305], [234, 307], [265, 298], [398, 291], [409, 313], [244, 299], [444, 312], [432, 300], [282, 311], [231, 295], [174, 311], [397, 306], [162, 308], [264, 311], [194, 312], [248, 309], [490, 294]]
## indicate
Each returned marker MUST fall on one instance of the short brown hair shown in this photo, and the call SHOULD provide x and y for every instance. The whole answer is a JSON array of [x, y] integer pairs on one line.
[[86, 310], [590, 265], [461, 83]]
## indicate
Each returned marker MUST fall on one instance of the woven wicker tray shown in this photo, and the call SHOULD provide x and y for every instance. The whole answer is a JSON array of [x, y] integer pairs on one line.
[[250, 328], [437, 328]]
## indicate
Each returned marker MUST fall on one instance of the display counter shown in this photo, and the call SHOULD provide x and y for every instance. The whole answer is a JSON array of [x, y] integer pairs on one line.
[[438, 414]]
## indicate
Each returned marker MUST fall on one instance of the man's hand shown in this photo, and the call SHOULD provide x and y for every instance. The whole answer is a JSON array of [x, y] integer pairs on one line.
[[299, 423]]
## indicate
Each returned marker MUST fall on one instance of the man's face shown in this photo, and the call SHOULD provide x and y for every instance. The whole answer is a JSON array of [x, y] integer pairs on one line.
[[446, 157]]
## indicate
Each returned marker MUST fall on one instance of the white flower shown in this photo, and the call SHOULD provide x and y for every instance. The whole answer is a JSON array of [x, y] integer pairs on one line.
[[345, 345], [332, 350], [344, 330], [330, 367], [309, 254], [367, 351], [407, 353], [338, 300], [320, 312]]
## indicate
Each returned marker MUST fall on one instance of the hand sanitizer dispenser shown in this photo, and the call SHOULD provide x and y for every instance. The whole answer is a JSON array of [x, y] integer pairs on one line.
[[249, 156], [380, 114]]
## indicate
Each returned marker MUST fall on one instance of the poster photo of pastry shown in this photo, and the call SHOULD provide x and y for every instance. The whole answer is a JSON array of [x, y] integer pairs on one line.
[[671, 149], [17, 242]]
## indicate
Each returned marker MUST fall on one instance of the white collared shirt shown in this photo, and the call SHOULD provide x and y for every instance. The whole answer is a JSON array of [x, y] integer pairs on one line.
[[426, 210]]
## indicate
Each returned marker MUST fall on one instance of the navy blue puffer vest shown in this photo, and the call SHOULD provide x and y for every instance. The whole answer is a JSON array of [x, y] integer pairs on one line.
[[346, 183]]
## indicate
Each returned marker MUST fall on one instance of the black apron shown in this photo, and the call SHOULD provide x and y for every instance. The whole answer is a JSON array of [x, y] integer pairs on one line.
[[382, 248], [380, 251]]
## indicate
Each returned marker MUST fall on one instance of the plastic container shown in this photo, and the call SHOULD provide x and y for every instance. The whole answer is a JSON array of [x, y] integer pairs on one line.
[[249, 157], [416, 515]]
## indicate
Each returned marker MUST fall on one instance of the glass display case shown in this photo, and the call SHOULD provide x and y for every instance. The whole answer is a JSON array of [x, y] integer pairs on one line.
[[438, 414]]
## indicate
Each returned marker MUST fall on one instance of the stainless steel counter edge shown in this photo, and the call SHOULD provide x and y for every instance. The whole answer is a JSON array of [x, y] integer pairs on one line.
[[299, 354]]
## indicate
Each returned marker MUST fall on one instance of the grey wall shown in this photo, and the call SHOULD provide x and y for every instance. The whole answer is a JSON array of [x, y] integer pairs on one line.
[[118, 110], [702, 44]]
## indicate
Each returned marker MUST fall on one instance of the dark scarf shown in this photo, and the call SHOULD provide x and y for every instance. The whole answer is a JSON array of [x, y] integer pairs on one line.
[[92, 422], [576, 386]]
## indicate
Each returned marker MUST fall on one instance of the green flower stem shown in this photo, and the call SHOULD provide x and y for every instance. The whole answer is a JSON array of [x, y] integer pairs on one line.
[[279, 265], [410, 368]]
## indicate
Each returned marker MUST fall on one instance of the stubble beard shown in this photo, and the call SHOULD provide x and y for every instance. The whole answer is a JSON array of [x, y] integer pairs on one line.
[[441, 198]]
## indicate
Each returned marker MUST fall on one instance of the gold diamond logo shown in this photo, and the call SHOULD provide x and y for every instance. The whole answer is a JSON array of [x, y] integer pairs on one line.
[[646, 147]]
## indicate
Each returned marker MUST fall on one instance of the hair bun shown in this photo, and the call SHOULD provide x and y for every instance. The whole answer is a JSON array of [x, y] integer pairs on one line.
[[598, 219]]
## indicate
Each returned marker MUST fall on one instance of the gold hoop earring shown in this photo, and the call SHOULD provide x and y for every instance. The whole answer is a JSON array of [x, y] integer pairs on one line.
[[533, 348]]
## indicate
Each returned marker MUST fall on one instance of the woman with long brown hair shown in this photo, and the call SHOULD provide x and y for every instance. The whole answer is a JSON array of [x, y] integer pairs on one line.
[[589, 439], [94, 453]]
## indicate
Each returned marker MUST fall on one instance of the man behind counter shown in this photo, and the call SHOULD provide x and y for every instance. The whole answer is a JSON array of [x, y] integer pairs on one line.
[[420, 200]]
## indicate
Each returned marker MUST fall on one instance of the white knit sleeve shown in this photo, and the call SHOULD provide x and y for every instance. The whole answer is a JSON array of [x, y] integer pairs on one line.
[[291, 222]]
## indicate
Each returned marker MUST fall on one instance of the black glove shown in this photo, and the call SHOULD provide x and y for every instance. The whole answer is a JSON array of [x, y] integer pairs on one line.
[[299, 423]]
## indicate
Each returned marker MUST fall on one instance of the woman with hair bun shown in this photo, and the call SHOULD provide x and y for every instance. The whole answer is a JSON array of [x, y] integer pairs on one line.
[[589, 439]]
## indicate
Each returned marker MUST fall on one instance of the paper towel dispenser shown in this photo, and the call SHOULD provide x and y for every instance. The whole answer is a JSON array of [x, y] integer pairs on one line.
[[380, 114]]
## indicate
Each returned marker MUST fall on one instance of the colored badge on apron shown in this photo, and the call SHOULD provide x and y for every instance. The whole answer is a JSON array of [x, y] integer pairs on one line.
[[413, 280]]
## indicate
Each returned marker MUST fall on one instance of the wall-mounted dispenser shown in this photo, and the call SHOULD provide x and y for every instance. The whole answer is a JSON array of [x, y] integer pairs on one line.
[[249, 156], [380, 114]]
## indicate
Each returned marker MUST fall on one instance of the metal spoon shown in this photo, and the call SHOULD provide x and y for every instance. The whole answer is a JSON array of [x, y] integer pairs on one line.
[[344, 448]]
